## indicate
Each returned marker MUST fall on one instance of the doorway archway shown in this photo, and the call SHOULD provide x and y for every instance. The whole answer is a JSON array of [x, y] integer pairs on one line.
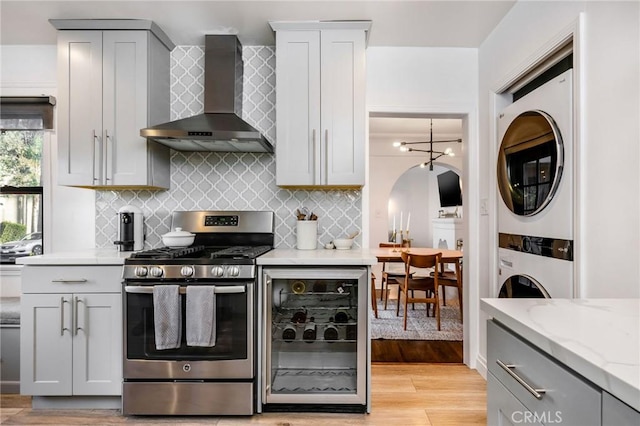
[[416, 193]]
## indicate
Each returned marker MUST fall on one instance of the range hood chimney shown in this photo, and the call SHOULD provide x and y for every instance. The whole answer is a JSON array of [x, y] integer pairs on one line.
[[220, 128]]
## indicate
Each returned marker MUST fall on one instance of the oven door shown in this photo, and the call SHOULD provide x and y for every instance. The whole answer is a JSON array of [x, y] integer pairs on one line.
[[230, 357]]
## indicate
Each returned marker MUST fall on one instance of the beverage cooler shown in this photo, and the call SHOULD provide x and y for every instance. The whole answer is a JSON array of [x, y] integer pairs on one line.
[[315, 344]]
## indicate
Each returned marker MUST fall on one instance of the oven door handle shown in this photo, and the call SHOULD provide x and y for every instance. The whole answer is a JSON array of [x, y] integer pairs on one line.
[[227, 289]]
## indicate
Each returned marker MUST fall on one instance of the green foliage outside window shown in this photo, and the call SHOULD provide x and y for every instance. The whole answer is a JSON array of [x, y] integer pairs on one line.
[[10, 231], [20, 157]]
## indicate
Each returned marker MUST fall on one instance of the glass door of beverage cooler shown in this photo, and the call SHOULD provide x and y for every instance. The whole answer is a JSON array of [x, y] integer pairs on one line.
[[316, 336]]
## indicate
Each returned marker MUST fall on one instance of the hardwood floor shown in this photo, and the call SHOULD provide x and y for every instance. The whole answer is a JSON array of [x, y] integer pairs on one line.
[[401, 394], [433, 351], [415, 350]]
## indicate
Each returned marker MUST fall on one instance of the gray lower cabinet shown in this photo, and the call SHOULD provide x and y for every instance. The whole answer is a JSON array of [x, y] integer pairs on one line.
[[71, 331], [526, 386], [617, 413], [503, 408]]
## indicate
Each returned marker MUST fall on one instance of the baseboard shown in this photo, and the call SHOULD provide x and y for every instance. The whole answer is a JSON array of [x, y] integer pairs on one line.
[[76, 402], [481, 366]]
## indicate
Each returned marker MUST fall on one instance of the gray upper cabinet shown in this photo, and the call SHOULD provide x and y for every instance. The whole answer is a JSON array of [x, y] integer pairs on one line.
[[320, 103], [112, 83]]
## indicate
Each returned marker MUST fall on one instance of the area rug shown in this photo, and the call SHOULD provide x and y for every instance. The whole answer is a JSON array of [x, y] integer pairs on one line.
[[419, 326]]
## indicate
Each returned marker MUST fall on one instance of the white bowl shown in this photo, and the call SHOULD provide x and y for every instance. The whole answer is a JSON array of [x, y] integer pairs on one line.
[[343, 243], [178, 238]]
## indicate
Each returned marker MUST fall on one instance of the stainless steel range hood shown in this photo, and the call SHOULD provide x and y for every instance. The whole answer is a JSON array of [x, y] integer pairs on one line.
[[220, 128]]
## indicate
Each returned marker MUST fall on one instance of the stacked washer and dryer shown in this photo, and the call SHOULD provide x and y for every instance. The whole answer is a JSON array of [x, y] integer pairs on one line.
[[535, 181]]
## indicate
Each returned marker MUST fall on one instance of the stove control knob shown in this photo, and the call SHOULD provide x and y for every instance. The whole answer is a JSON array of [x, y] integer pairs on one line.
[[186, 271], [156, 271], [217, 271], [141, 271], [234, 271]]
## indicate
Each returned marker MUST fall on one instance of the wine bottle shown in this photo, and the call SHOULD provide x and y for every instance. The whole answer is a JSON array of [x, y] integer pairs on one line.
[[342, 316], [289, 333], [330, 331], [299, 317], [310, 331]]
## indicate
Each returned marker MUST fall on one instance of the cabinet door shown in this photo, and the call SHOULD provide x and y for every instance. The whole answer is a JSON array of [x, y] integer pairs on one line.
[[79, 107], [97, 344], [298, 102], [616, 412], [125, 71], [45, 344], [343, 107]]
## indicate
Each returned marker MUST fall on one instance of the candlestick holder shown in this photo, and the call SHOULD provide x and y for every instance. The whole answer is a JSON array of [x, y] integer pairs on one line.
[[406, 241]]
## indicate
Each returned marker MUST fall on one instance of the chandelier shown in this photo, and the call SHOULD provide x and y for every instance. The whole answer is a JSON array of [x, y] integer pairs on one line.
[[433, 155]]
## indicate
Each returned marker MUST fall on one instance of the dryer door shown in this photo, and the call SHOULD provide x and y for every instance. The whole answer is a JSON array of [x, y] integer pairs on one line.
[[530, 162], [522, 286]]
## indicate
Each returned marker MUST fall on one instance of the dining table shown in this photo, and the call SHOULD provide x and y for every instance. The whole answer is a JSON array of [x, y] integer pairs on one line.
[[394, 254]]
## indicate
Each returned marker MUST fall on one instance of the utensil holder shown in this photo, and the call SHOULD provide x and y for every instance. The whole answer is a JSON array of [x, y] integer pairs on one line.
[[307, 234]]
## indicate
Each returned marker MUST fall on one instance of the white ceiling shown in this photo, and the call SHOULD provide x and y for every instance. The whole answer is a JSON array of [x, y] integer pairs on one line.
[[425, 23]]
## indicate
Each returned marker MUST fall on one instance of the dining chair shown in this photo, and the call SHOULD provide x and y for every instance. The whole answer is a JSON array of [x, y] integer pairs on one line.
[[448, 278], [388, 274], [374, 303], [427, 283]]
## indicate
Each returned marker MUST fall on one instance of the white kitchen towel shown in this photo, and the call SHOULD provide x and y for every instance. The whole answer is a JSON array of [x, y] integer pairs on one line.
[[167, 316], [201, 315]]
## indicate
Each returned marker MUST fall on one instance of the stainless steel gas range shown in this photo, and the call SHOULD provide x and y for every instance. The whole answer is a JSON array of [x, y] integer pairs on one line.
[[185, 354]]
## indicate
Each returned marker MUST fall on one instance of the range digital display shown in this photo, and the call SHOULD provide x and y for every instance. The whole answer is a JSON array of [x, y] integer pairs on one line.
[[221, 220]]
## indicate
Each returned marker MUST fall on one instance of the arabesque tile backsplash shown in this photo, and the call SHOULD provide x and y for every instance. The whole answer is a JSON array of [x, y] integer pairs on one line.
[[228, 181]]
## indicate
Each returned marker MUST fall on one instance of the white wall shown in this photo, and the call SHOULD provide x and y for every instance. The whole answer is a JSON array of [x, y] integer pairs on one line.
[[69, 212], [607, 233], [432, 81]]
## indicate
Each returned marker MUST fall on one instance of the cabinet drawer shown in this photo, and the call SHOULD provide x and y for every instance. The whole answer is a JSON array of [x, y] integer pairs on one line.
[[71, 279], [562, 392], [504, 409]]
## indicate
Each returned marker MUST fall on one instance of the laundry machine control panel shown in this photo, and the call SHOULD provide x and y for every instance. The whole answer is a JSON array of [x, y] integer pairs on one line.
[[541, 246]]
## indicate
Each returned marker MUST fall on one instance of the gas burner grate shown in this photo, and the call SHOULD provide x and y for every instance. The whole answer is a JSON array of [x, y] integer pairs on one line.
[[167, 252], [245, 252]]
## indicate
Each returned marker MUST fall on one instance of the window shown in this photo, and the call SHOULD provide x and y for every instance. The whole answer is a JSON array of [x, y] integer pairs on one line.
[[22, 124]]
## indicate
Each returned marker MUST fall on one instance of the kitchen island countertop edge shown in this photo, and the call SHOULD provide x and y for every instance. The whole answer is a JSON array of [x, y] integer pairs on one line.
[[597, 338]]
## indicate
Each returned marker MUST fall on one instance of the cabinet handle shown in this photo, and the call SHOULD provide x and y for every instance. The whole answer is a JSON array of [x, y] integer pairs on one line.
[[62, 327], [72, 280], [537, 393], [313, 147], [228, 289], [107, 138], [75, 317], [95, 149], [326, 156]]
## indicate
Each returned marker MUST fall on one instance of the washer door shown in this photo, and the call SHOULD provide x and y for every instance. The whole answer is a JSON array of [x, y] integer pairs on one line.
[[530, 163], [522, 286]]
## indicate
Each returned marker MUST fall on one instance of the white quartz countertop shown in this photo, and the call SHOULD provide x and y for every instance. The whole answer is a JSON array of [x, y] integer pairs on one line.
[[81, 257], [274, 257], [318, 257], [597, 338]]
